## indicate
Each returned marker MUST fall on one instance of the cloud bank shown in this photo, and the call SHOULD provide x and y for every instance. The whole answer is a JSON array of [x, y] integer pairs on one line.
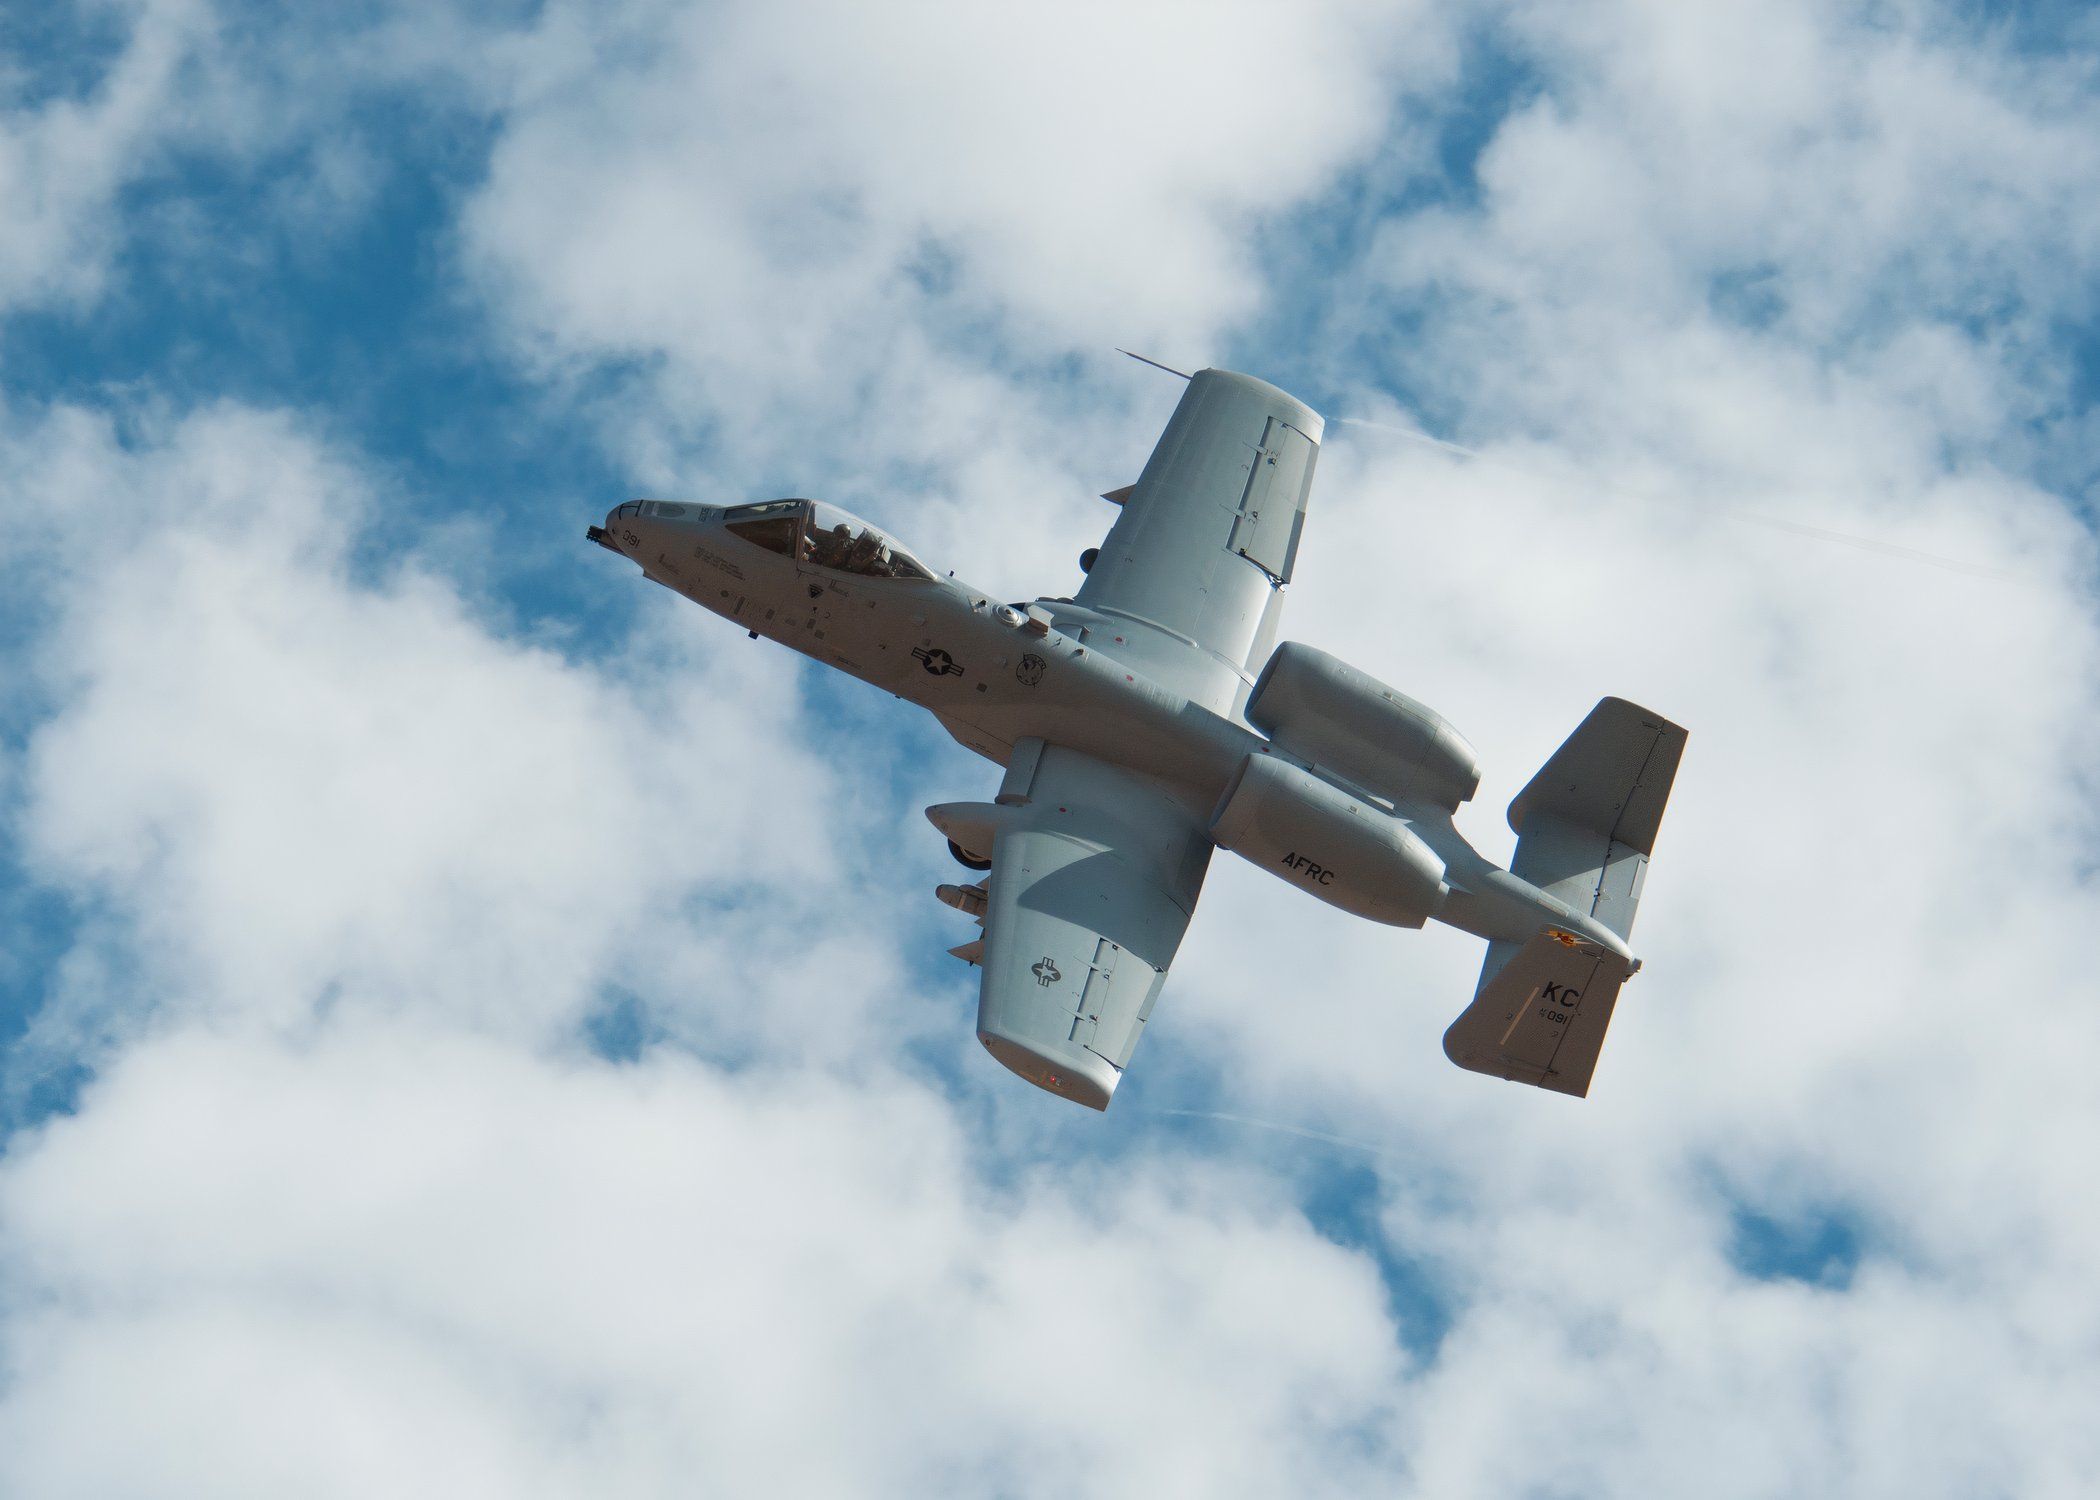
[[503, 1060]]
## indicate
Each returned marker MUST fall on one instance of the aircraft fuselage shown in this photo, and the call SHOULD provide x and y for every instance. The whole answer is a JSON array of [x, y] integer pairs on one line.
[[939, 643], [997, 674]]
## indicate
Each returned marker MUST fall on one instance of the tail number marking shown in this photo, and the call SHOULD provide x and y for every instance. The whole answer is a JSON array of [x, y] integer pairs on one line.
[[1553, 995]]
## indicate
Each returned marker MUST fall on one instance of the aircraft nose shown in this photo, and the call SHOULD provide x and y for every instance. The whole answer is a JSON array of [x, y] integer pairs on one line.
[[629, 526], [608, 536]]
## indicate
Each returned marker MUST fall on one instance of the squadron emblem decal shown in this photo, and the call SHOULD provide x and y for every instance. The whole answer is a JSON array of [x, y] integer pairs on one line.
[[1045, 972], [936, 661], [1031, 669]]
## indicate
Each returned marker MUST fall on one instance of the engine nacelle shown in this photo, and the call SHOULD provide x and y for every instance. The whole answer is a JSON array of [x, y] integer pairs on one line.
[[1325, 711], [1321, 839]]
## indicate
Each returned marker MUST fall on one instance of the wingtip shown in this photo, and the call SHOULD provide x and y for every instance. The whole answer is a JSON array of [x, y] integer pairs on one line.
[[1081, 1076]]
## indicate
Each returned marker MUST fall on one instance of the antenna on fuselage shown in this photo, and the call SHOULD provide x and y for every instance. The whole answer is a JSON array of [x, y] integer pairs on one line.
[[1156, 364]]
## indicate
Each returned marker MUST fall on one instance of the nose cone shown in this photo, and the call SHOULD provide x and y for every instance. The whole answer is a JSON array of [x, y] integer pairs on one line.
[[650, 524], [618, 534]]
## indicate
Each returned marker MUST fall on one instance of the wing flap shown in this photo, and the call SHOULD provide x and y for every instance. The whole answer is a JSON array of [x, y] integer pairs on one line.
[[1272, 507]]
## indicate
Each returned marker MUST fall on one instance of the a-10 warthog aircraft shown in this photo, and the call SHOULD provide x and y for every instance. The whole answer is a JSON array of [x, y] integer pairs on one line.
[[1146, 721]]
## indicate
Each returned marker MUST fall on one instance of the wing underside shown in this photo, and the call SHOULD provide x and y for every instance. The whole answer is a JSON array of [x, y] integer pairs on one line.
[[1095, 872], [1210, 532]]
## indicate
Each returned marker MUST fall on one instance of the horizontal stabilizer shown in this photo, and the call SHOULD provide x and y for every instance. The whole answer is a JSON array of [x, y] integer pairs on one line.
[[1540, 1018]]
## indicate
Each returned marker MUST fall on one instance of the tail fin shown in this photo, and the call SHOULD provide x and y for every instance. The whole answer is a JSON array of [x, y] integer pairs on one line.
[[1586, 823], [1541, 1019], [1585, 827]]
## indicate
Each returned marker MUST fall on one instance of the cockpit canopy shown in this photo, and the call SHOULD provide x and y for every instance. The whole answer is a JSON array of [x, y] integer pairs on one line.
[[823, 536]]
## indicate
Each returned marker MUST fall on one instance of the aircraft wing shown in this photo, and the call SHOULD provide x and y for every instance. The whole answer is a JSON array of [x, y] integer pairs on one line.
[[1095, 873], [1208, 536]]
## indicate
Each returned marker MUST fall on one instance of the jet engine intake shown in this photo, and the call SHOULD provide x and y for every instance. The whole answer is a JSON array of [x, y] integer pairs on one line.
[[1329, 843], [1326, 712]]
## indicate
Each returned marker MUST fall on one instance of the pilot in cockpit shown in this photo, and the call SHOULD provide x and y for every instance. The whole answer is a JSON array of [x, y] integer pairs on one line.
[[828, 549], [866, 556]]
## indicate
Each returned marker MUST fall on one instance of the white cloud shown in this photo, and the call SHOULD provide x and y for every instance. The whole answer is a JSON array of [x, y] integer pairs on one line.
[[783, 231], [310, 775], [747, 170], [1846, 184], [1864, 994], [65, 158], [364, 868], [405, 1261]]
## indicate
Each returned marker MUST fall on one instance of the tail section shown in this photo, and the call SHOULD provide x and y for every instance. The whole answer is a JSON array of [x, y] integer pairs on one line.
[[1585, 827], [1541, 1019], [1587, 822]]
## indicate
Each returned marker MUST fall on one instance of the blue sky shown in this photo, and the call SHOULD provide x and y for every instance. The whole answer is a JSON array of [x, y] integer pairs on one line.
[[472, 1026]]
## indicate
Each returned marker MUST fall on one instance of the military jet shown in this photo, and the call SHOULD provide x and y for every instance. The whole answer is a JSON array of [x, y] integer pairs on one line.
[[1151, 718]]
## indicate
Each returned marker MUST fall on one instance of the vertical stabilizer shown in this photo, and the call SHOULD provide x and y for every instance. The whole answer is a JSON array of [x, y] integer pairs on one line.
[[1541, 1019], [1586, 823], [1585, 827]]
